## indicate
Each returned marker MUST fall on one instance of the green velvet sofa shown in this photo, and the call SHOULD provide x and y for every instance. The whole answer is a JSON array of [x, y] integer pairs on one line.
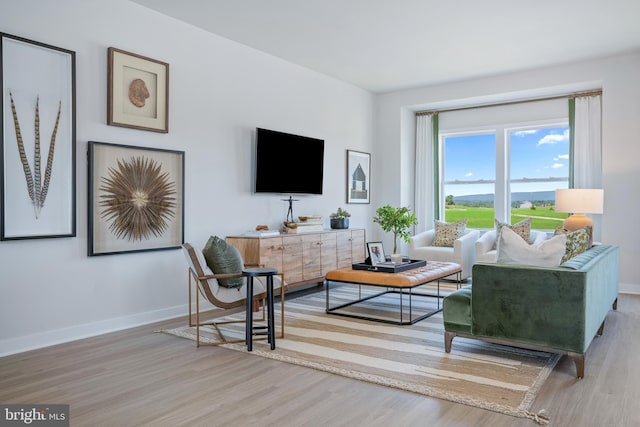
[[557, 309]]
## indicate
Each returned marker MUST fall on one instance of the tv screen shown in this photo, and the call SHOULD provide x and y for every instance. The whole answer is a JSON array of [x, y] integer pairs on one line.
[[287, 163]]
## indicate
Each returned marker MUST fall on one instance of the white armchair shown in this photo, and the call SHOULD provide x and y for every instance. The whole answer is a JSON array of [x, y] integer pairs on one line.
[[462, 252], [485, 251]]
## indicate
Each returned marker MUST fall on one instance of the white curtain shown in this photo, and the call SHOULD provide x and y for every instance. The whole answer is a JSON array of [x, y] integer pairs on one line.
[[424, 179], [587, 149]]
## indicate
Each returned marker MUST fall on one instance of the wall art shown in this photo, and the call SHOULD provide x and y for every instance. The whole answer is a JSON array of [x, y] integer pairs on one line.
[[38, 177], [136, 199], [137, 91], [358, 177]]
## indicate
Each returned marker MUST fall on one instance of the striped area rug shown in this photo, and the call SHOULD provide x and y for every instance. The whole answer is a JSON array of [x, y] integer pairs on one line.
[[411, 357]]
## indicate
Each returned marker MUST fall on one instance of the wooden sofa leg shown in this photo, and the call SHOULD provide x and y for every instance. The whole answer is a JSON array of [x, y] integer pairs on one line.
[[615, 304], [448, 338], [601, 329], [578, 359]]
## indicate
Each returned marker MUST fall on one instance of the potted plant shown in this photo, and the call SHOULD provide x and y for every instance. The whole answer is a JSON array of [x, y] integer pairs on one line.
[[396, 220], [340, 219]]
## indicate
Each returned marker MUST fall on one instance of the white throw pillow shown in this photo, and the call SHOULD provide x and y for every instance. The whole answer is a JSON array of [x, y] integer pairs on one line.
[[512, 249]]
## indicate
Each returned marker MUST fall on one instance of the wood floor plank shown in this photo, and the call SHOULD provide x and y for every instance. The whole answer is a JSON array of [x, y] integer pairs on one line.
[[138, 377]]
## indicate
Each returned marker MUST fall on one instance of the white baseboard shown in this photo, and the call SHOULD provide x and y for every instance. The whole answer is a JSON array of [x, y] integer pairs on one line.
[[629, 288], [59, 336]]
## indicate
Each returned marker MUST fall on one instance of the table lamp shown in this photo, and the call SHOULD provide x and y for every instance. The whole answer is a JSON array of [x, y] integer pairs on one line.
[[579, 201]]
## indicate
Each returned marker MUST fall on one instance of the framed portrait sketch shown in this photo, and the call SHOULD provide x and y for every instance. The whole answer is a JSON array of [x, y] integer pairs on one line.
[[137, 91], [376, 252], [136, 199], [38, 157], [358, 177]]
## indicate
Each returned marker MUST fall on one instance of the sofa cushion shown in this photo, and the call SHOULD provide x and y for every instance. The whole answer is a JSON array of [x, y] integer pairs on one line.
[[512, 249], [223, 258], [522, 228], [448, 232], [578, 241]]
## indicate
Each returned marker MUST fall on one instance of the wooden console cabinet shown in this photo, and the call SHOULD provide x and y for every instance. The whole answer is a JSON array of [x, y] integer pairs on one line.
[[303, 258]]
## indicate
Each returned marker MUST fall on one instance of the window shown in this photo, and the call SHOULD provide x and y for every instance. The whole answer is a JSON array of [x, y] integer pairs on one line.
[[508, 173]]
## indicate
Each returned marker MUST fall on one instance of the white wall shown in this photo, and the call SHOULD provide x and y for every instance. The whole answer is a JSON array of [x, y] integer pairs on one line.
[[220, 92], [618, 78]]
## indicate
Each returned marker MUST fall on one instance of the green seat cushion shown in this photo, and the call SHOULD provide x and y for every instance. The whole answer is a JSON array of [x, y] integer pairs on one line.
[[222, 258], [456, 311]]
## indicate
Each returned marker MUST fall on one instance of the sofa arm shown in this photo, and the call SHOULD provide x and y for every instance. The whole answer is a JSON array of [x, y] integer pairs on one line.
[[422, 239], [464, 251], [531, 305], [485, 243]]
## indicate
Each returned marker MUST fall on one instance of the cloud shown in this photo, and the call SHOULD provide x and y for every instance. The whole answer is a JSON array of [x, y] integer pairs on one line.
[[554, 138], [522, 133], [468, 174], [563, 156], [557, 166]]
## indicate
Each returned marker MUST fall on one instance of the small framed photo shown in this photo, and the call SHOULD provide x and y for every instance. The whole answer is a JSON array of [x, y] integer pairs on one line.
[[358, 177], [137, 91], [136, 199], [376, 252]]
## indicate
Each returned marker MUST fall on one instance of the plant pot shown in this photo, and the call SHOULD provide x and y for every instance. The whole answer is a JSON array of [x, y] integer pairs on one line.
[[339, 223]]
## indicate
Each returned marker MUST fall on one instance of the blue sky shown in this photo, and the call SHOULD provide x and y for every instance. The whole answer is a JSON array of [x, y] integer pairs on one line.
[[535, 153]]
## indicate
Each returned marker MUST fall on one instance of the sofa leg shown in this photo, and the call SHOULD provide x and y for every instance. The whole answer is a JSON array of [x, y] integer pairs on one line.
[[615, 304], [448, 338], [578, 359], [601, 329]]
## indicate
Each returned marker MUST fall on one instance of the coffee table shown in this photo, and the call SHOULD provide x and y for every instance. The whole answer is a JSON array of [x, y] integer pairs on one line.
[[403, 283]]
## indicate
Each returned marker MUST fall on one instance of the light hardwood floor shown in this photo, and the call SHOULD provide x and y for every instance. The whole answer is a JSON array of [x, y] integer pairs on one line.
[[140, 378]]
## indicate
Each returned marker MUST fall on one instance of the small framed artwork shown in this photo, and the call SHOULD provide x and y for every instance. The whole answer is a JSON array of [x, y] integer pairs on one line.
[[38, 155], [136, 199], [358, 177], [137, 91], [376, 252]]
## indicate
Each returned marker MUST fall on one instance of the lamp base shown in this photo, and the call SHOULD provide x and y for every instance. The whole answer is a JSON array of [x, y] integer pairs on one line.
[[577, 221]]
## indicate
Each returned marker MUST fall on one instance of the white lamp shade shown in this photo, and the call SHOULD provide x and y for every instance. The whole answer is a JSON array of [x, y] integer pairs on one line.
[[580, 200]]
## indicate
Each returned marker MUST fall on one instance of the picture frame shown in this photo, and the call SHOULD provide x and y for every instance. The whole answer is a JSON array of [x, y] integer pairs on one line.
[[137, 91], [376, 252], [136, 199], [38, 153], [358, 177]]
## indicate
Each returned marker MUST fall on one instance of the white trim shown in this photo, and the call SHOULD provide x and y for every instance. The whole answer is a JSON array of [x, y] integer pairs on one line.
[[58, 336], [629, 288]]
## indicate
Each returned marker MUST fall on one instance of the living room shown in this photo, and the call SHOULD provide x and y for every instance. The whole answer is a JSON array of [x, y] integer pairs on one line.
[[220, 91]]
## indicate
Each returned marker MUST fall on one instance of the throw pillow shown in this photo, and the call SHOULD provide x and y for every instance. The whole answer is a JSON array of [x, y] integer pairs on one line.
[[223, 258], [512, 249], [578, 241], [522, 228], [448, 232]]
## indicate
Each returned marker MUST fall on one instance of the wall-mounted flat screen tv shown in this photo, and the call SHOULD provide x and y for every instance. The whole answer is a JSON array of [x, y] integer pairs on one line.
[[287, 163]]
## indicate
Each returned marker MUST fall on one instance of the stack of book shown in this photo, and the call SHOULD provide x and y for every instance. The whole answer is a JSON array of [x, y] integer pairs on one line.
[[307, 224]]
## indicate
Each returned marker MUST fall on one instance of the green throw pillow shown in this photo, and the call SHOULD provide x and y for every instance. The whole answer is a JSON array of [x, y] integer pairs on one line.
[[448, 232], [223, 258], [578, 241]]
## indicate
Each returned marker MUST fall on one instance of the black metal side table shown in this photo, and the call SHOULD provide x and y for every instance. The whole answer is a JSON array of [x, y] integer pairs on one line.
[[250, 273]]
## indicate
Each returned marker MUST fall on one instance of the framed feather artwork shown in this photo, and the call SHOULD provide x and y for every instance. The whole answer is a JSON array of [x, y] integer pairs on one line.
[[38, 179], [136, 199]]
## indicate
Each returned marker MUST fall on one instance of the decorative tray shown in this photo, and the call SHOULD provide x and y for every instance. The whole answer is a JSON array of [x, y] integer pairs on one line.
[[389, 267]]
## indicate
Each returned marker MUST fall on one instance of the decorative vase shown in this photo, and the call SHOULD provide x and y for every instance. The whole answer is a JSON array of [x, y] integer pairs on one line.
[[339, 223]]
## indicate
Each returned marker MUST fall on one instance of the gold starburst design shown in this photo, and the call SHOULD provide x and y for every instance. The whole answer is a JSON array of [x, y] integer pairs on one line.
[[139, 200]]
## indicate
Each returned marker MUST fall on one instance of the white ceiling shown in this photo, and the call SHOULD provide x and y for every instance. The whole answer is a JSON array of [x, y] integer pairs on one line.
[[387, 45]]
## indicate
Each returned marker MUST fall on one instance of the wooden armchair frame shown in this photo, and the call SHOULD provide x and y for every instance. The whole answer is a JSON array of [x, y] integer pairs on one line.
[[202, 288]]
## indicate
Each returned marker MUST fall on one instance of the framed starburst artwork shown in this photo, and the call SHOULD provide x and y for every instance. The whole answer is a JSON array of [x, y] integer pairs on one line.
[[37, 156], [136, 199]]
